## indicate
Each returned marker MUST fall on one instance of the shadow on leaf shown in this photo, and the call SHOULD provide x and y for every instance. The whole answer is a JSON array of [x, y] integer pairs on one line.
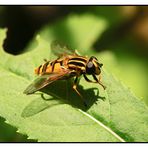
[[61, 92]]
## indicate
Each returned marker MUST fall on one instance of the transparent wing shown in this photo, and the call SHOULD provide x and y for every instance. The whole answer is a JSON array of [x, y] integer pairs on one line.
[[59, 48], [44, 80]]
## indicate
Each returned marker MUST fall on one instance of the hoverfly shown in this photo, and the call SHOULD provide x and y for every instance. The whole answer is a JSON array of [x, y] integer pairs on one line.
[[68, 64]]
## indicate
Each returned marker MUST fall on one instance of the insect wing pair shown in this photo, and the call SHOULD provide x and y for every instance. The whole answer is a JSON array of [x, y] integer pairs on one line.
[[44, 80]]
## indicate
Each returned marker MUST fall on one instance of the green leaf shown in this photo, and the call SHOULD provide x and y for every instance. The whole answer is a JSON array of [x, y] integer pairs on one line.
[[130, 69], [114, 115]]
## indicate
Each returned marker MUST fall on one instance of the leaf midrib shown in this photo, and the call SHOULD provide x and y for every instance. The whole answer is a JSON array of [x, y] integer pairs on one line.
[[102, 125]]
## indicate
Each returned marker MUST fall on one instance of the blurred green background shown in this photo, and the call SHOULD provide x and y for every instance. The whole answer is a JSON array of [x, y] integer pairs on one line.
[[124, 42]]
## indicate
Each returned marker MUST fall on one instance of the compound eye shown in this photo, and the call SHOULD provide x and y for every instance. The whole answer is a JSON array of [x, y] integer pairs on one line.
[[90, 64], [90, 68]]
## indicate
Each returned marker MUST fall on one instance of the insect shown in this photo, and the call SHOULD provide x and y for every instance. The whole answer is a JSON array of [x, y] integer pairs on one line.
[[68, 64]]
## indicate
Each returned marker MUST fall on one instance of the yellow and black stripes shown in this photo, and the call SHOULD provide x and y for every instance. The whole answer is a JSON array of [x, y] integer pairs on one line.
[[37, 70], [72, 62], [45, 67], [49, 67], [76, 63], [42, 68]]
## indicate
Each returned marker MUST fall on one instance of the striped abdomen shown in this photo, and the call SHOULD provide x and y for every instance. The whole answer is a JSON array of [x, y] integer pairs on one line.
[[73, 63], [49, 67]]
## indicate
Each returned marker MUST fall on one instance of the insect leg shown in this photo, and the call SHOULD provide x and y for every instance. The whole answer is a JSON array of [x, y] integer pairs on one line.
[[75, 88], [85, 77], [98, 81]]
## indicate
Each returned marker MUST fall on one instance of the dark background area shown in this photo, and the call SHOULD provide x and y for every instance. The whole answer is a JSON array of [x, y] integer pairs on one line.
[[125, 21], [127, 34]]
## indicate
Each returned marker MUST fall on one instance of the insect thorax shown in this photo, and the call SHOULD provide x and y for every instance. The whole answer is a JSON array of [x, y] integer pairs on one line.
[[77, 63]]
